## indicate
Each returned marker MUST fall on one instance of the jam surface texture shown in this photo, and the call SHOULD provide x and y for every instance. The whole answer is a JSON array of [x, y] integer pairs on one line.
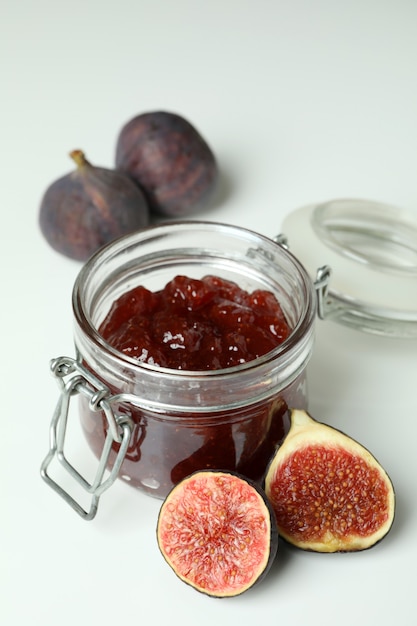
[[195, 325]]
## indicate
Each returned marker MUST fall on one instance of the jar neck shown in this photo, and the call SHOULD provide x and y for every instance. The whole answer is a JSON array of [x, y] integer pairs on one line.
[[151, 255], [162, 390]]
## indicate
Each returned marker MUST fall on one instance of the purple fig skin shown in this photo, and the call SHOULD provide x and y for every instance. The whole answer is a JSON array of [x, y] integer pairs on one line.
[[170, 161], [90, 207]]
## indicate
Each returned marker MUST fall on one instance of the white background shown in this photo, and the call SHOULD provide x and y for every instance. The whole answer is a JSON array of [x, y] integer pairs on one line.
[[301, 102]]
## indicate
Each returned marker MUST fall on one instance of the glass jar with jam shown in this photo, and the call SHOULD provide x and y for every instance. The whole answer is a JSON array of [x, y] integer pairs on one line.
[[154, 420], [244, 306]]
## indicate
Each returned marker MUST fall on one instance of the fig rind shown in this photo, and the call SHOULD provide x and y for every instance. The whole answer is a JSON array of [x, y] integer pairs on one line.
[[170, 161], [90, 207], [217, 531], [329, 493]]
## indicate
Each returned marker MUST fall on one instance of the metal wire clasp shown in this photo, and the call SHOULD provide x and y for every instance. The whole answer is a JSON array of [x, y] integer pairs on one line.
[[321, 285], [75, 379]]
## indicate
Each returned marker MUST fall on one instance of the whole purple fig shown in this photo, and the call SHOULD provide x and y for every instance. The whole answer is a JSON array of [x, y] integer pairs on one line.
[[90, 207], [170, 161]]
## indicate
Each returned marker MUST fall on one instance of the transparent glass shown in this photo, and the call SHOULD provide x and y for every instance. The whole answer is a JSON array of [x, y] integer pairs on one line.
[[184, 421], [372, 250], [376, 235]]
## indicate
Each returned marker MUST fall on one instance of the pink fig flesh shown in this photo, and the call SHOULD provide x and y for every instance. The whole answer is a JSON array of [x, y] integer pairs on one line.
[[217, 531]]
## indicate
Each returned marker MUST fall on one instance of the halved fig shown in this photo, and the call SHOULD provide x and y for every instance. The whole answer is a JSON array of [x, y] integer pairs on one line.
[[328, 492], [217, 531]]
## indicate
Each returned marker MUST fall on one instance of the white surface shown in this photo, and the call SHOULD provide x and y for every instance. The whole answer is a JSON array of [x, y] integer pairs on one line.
[[302, 102]]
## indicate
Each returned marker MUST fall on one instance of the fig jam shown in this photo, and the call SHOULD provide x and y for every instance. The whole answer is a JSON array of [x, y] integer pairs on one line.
[[195, 324], [201, 332]]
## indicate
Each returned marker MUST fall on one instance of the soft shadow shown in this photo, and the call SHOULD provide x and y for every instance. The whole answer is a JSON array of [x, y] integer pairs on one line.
[[224, 189]]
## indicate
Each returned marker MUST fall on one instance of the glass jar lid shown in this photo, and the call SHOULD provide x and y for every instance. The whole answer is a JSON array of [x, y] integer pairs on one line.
[[371, 249]]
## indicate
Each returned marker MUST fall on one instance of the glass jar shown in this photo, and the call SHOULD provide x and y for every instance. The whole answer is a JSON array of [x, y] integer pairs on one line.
[[155, 425]]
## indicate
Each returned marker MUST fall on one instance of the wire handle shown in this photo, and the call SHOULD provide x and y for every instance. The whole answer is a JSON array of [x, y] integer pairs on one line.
[[75, 379]]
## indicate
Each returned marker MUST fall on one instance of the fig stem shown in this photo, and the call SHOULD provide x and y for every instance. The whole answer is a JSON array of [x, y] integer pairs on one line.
[[78, 157]]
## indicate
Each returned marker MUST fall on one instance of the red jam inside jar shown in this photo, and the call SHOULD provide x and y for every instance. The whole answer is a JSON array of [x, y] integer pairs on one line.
[[201, 332], [191, 324]]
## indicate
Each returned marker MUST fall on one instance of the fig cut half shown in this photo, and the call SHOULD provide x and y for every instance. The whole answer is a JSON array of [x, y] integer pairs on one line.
[[329, 493], [218, 533]]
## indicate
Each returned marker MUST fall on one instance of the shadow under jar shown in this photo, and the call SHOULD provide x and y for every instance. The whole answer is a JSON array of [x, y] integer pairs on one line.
[[182, 421]]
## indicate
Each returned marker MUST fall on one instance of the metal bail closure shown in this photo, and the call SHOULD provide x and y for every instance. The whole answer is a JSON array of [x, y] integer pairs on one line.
[[74, 379], [321, 285]]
